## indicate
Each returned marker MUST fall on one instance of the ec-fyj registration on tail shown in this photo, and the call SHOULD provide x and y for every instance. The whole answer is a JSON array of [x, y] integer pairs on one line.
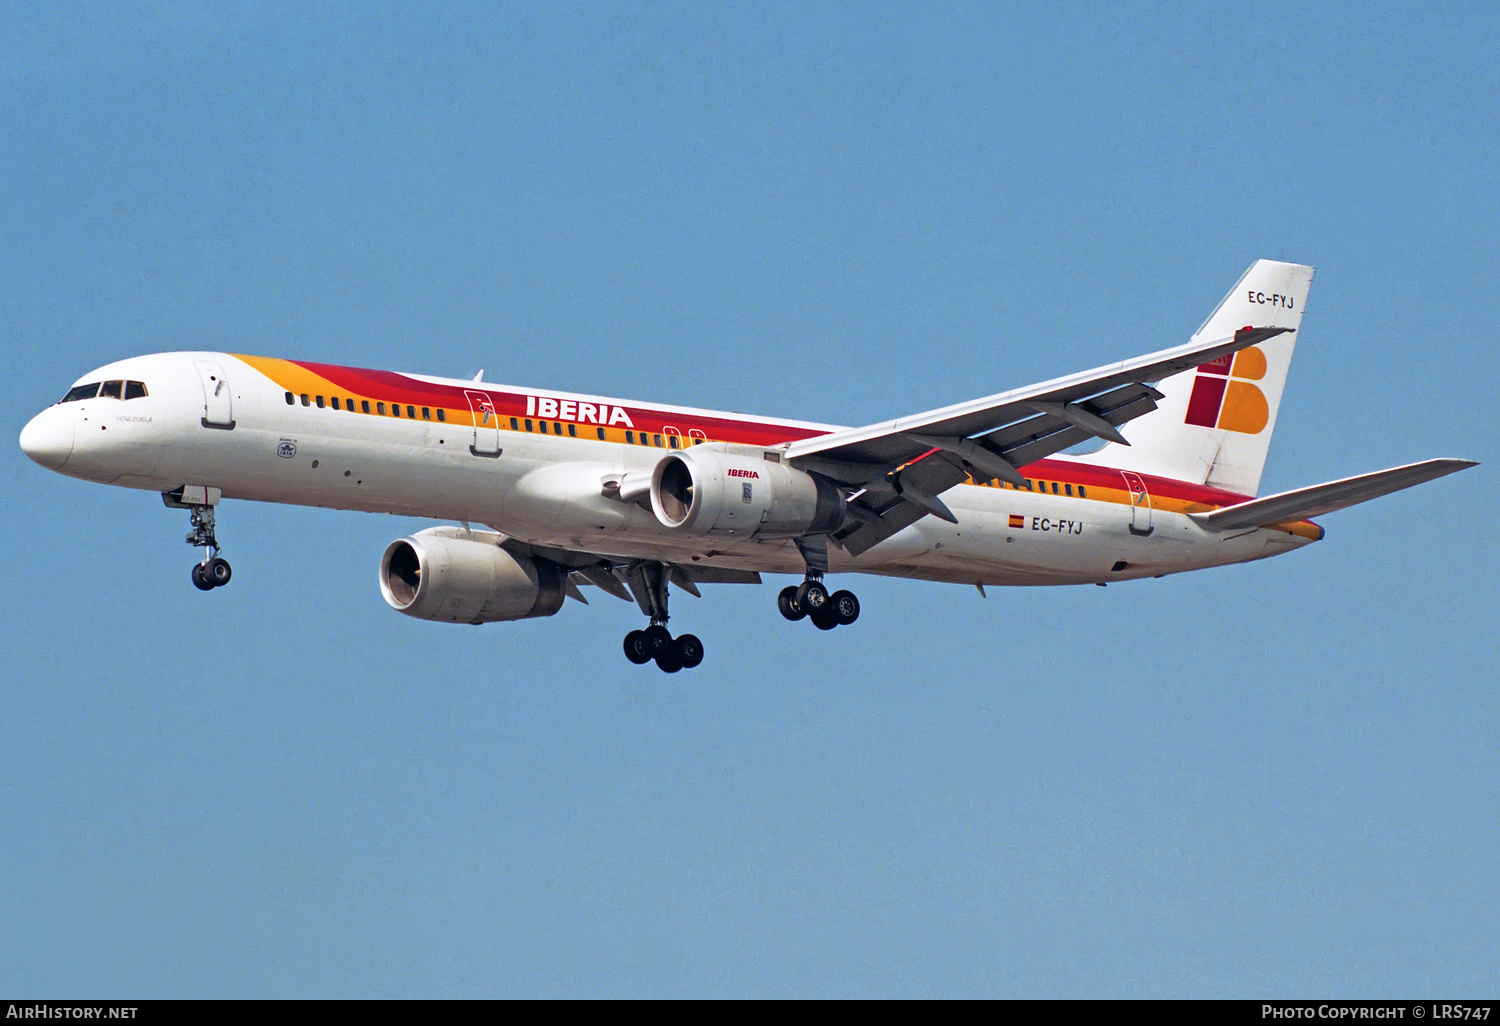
[[632, 498]]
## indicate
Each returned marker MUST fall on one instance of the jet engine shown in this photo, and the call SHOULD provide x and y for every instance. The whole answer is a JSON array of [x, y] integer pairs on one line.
[[457, 576], [709, 491]]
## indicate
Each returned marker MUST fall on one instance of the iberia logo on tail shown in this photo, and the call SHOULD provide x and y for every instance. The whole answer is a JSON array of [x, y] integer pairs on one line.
[[1223, 396]]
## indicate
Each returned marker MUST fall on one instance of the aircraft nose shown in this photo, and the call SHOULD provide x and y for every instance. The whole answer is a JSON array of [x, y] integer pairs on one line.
[[48, 439]]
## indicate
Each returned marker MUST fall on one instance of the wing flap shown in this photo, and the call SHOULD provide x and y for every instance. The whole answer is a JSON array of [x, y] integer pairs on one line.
[[901, 467], [1315, 500]]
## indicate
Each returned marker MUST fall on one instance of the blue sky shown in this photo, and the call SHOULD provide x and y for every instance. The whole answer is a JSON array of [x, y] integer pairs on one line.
[[1269, 779]]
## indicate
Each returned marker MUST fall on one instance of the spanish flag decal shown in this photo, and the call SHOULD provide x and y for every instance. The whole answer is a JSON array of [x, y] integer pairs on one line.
[[1016, 520]]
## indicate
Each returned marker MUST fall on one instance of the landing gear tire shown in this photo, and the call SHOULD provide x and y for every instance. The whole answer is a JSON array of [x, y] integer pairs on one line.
[[657, 639], [635, 648], [845, 607], [824, 619], [811, 596], [217, 572], [201, 582], [667, 661], [688, 651], [787, 603]]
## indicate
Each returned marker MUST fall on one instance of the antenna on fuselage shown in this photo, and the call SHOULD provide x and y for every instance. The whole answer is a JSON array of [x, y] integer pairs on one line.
[[479, 376]]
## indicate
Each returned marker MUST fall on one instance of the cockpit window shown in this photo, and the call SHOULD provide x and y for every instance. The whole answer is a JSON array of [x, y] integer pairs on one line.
[[112, 390], [78, 392], [135, 390]]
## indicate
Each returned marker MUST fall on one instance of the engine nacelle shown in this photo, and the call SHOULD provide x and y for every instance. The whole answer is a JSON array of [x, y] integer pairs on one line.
[[457, 576], [710, 490]]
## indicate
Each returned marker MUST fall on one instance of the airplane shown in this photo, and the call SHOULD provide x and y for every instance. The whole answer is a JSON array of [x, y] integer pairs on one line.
[[548, 491]]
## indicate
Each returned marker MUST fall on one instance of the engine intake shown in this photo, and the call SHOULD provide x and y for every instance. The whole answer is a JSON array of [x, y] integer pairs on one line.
[[456, 576], [710, 491]]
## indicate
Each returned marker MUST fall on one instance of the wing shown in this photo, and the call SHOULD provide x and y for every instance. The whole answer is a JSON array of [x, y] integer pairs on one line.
[[625, 579], [1315, 500], [898, 469]]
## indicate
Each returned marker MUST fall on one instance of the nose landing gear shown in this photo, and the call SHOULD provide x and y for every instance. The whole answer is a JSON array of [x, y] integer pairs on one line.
[[214, 571]]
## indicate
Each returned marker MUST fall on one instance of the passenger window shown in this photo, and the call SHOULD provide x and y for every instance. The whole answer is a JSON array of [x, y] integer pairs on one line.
[[305, 400], [656, 441], [556, 428], [528, 425], [1054, 487], [1068, 488], [673, 440], [630, 438], [137, 390], [380, 409], [411, 411], [442, 415], [112, 390], [427, 413], [334, 402], [364, 405], [395, 409], [515, 425], [320, 403], [1082, 492], [600, 432], [291, 400], [572, 430]]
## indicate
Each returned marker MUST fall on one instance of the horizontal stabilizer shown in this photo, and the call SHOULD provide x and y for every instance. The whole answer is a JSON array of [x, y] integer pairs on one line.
[[1315, 500]]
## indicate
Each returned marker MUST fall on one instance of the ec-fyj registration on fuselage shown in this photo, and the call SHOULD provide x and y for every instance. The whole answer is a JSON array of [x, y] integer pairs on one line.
[[632, 498]]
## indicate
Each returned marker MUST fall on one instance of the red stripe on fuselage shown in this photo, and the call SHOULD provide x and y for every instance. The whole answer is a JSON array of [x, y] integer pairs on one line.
[[395, 387]]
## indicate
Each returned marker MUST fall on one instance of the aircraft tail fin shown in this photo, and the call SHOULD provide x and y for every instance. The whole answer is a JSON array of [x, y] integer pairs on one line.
[[1213, 425], [1315, 500]]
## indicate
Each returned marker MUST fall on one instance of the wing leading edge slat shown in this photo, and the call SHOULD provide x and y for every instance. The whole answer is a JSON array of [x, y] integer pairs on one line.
[[881, 443]]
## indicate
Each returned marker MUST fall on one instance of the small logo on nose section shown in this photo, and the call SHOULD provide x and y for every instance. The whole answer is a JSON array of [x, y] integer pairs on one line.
[[287, 449]]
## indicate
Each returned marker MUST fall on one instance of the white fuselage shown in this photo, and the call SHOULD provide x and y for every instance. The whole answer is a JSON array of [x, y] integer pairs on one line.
[[545, 488]]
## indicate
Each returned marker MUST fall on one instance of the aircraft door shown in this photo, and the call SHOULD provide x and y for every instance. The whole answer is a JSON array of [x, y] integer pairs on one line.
[[218, 403], [1140, 504], [486, 424]]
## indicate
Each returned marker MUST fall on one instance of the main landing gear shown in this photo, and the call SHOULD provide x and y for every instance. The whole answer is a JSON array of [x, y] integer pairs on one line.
[[649, 583], [671, 654], [214, 571], [811, 598]]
